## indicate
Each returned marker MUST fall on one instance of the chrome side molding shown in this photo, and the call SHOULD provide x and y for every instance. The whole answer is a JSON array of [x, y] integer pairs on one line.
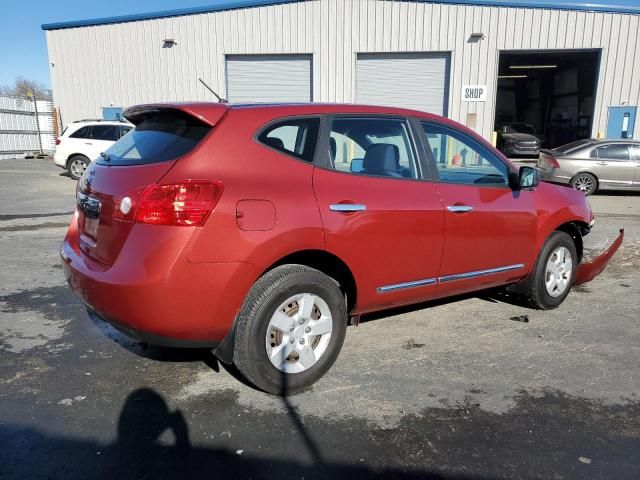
[[401, 286], [447, 278], [479, 273]]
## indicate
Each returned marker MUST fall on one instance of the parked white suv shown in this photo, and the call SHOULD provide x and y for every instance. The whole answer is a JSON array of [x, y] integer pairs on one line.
[[82, 142]]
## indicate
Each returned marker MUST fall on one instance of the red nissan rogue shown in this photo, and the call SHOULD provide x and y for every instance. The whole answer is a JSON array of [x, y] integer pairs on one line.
[[260, 231]]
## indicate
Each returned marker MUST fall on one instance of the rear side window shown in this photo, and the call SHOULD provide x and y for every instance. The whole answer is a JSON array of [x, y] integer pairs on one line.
[[297, 137], [84, 132], [105, 132], [159, 135]]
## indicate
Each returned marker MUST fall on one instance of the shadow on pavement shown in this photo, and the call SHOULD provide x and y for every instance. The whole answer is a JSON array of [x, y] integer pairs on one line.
[[142, 451]]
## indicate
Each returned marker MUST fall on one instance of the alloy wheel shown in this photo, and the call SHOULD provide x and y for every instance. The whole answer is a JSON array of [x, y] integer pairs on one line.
[[78, 167], [584, 184]]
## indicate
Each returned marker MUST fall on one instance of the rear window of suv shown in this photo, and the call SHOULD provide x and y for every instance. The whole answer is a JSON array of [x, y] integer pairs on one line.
[[159, 135]]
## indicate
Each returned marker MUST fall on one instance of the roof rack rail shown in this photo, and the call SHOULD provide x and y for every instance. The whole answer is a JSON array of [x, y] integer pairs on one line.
[[97, 120]]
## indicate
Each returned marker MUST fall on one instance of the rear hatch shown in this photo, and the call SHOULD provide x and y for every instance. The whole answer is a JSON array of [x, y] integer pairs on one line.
[[163, 136]]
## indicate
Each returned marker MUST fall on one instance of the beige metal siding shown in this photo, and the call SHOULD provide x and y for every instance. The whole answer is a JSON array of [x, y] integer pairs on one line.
[[124, 64]]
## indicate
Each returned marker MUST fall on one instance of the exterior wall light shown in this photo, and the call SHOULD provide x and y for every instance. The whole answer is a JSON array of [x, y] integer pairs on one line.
[[476, 37]]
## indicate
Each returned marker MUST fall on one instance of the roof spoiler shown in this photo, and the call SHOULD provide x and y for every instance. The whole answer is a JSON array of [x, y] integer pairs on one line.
[[208, 113]]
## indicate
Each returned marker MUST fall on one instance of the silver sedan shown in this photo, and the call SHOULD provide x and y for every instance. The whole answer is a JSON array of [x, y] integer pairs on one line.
[[591, 165]]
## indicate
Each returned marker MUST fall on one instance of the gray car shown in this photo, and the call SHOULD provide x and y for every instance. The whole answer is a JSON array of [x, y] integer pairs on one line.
[[591, 165]]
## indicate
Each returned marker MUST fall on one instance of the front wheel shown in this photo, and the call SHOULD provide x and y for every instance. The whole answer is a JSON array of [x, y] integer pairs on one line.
[[290, 329], [585, 183], [553, 274]]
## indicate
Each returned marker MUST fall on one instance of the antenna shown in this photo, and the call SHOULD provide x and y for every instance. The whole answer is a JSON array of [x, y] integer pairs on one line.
[[220, 99]]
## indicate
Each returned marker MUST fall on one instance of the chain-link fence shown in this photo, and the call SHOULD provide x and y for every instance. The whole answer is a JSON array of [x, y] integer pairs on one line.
[[28, 126]]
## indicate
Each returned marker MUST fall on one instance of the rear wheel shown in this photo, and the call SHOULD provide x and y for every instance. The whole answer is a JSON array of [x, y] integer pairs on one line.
[[585, 183], [290, 329], [77, 165], [554, 272]]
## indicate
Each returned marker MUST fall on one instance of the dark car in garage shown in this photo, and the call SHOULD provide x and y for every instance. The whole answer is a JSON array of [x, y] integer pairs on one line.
[[518, 139]]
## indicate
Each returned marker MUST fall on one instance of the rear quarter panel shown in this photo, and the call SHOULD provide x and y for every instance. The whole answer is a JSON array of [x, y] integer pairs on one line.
[[255, 177]]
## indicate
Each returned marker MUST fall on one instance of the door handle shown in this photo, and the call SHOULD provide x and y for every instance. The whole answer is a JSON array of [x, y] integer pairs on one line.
[[459, 208], [347, 207], [602, 163], [88, 143]]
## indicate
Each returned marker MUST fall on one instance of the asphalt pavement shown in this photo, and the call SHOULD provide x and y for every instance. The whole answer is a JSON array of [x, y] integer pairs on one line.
[[472, 387]]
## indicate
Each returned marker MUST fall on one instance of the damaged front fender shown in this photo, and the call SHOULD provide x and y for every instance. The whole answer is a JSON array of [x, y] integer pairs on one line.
[[591, 268]]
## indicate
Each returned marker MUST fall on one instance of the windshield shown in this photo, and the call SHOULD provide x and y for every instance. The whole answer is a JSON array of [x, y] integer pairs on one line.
[[158, 136]]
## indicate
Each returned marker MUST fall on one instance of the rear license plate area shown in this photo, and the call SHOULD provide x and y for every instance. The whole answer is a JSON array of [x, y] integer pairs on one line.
[[89, 208]]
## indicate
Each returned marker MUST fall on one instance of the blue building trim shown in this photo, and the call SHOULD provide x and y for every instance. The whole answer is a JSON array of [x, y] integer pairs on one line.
[[580, 6]]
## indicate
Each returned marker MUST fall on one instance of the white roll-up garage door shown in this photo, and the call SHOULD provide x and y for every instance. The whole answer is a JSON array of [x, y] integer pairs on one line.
[[269, 78], [411, 80]]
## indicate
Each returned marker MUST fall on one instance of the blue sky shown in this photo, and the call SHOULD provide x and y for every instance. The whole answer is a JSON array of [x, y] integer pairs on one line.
[[23, 51]]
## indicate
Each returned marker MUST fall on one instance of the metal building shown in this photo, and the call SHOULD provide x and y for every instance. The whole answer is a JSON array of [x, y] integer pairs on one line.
[[572, 70]]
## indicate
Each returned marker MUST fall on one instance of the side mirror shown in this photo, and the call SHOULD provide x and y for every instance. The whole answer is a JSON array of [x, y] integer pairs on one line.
[[528, 177]]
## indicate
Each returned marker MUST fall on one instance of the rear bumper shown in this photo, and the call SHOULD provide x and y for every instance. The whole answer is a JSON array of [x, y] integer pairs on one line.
[[553, 176], [60, 160], [155, 294], [588, 270], [151, 338]]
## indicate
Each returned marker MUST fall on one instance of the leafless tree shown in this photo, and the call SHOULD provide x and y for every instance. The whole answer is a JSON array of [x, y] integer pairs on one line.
[[24, 88]]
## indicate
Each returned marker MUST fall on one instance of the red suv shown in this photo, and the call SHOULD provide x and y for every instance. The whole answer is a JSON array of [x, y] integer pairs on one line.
[[261, 230]]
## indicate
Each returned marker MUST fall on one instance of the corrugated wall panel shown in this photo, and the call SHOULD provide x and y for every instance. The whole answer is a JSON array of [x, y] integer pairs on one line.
[[125, 63]]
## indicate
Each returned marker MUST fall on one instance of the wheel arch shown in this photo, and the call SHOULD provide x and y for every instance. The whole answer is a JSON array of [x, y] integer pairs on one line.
[[588, 172], [321, 260], [327, 263], [69, 157], [575, 230]]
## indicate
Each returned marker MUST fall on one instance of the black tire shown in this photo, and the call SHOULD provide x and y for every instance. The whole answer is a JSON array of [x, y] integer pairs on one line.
[[264, 298], [534, 287], [585, 183], [74, 166]]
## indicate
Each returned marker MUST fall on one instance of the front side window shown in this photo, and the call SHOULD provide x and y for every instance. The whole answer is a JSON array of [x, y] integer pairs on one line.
[[297, 137], [611, 152], [379, 147], [460, 160]]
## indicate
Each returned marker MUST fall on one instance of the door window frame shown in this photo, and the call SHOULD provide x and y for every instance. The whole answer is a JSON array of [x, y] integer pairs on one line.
[[431, 164], [323, 161]]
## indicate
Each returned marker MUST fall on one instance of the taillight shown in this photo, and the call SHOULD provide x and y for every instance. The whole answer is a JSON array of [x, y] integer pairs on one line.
[[552, 162], [58, 141], [187, 203]]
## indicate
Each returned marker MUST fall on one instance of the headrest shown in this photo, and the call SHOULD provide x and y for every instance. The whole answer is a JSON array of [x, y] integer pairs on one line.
[[275, 142], [333, 147], [382, 157]]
